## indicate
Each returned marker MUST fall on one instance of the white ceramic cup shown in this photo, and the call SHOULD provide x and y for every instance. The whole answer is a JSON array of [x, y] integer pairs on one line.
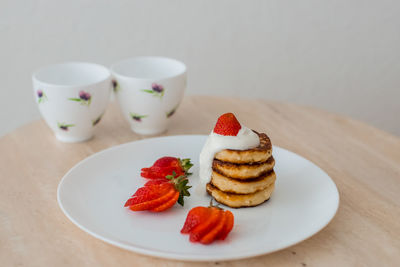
[[72, 98], [149, 90]]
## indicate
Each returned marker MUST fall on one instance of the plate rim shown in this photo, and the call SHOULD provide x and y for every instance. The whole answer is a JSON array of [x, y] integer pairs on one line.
[[173, 255]]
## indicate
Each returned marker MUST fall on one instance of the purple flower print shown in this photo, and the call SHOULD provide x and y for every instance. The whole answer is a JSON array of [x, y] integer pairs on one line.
[[115, 86], [157, 90], [137, 117], [64, 127], [97, 120], [171, 112], [84, 98], [41, 96]]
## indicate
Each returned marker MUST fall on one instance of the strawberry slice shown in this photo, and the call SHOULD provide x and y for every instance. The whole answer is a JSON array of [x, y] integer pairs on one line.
[[166, 166], [151, 204], [211, 236], [167, 204], [196, 216], [156, 182], [160, 172], [166, 162], [227, 226], [147, 193], [152, 190], [199, 231]]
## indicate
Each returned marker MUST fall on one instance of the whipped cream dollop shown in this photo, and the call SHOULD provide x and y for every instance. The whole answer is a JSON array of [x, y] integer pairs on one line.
[[245, 139]]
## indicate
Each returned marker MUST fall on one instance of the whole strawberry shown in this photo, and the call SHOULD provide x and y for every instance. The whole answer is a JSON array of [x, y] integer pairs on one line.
[[160, 194], [207, 224], [227, 124], [167, 166]]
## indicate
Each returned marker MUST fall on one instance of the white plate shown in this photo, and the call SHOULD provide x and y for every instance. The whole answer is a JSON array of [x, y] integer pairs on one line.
[[92, 195]]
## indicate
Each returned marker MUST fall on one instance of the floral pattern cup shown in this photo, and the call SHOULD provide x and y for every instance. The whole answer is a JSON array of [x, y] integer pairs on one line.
[[72, 98], [149, 90]]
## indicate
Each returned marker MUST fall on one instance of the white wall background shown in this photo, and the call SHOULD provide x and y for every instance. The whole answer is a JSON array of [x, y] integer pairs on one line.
[[343, 56]]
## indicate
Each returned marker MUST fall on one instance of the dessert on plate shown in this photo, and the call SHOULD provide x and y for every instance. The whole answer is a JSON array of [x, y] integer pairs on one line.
[[236, 164]]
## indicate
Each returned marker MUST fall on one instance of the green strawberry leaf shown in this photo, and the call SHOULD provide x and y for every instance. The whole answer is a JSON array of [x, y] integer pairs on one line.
[[181, 186], [186, 165]]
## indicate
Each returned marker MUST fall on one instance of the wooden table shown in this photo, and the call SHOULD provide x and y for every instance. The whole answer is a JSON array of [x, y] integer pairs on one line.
[[363, 161]]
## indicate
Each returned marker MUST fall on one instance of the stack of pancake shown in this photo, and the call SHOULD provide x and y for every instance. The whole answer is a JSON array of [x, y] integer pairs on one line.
[[243, 178]]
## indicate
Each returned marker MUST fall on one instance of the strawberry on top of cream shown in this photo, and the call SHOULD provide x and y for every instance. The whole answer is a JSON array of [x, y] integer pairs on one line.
[[231, 135]]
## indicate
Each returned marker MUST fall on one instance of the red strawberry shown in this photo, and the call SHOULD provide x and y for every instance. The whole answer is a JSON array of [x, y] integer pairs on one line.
[[155, 172], [155, 182], [167, 204], [227, 226], [227, 124], [202, 229], [152, 189], [149, 204], [212, 235], [147, 193], [207, 224], [166, 166], [159, 194], [196, 216], [167, 162]]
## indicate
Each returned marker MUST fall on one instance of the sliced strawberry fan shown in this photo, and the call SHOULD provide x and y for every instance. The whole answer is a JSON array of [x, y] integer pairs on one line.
[[160, 194], [207, 224], [166, 166]]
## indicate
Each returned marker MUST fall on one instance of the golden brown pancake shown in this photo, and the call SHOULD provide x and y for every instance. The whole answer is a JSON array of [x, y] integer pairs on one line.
[[259, 154], [240, 200], [243, 171], [230, 185]]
